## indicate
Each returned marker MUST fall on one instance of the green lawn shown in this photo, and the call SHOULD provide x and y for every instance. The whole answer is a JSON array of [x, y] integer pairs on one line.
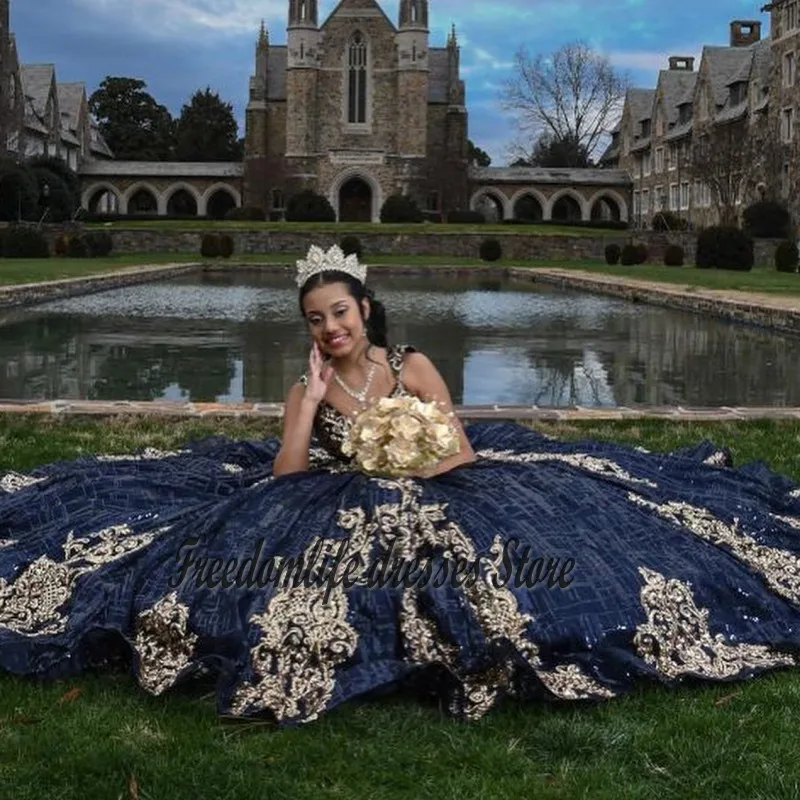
[[101, 738], [34, 270], [764, 279], [361, 228]]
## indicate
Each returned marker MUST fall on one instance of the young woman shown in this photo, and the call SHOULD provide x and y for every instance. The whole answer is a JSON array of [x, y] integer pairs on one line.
[[520, 567]]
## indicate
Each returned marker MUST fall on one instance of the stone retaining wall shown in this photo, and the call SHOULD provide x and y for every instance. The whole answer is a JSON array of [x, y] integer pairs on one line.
[[163, 408], [516, 246], [742, 309], [30, 293]]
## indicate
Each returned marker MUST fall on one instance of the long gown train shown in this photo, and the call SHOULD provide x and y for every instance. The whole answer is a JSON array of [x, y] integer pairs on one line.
[[585, 568]]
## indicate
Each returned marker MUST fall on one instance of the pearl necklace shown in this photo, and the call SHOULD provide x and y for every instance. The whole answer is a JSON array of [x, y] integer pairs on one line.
[[361, 395]]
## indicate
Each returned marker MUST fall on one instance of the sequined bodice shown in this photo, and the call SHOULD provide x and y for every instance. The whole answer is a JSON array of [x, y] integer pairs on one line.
[[331, 426]]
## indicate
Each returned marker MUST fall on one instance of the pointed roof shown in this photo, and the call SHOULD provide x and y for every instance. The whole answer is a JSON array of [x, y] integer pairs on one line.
[[358, 8], [37, 80]]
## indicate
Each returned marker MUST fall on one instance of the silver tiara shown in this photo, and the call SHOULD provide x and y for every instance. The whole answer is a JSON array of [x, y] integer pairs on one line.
[[318, 261]]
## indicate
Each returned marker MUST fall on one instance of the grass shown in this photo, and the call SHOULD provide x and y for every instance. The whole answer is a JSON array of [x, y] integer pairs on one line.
[[360, 228], [762, 279], [101, 737], [33, 270]]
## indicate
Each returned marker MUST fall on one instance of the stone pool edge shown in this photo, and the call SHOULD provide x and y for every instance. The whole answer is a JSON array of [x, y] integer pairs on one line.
[[273, 411]]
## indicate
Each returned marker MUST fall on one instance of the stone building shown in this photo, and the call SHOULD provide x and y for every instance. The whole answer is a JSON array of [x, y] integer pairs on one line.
[[706, 143], [39, 115], [357, 109]]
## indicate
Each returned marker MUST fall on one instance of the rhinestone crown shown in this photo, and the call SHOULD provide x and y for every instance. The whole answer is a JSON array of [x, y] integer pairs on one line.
[[318, 261]]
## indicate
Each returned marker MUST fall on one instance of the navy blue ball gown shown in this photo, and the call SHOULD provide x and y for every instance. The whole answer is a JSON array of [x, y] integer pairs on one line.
[[544, 570]]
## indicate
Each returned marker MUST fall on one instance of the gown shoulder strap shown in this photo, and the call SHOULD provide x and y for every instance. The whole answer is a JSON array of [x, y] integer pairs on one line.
[[395, 355]]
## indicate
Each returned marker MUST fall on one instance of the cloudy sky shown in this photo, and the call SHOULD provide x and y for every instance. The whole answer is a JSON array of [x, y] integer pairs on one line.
[[178, 46]]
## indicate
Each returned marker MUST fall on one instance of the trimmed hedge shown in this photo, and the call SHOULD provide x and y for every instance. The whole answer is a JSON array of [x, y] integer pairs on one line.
[[25, 241], [308, 206], [351, 245], [725, 247], [786, 257], [674, 255], [490, 250], [400, 208], [766, 219], [613, 253]]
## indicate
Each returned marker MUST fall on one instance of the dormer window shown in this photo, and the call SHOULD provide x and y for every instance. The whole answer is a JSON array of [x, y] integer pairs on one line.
[[738, 93]]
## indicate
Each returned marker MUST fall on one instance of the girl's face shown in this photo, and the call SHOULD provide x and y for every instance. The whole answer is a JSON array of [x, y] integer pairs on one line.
[[334, 320]]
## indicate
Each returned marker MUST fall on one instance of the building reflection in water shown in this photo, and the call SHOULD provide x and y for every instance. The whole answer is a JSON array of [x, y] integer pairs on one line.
[[239, 336]]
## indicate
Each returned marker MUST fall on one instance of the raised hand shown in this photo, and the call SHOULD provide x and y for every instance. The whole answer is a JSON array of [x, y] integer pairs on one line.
[[319, 376]]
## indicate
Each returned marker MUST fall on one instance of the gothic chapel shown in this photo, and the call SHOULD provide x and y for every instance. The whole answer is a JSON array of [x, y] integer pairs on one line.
[[357, 110]]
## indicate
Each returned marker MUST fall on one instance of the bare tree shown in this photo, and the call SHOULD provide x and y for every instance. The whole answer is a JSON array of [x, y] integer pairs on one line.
[[737, 163], [573, 95]]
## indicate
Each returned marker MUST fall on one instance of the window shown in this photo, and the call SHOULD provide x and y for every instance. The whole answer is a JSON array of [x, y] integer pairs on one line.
[[673, 196], [646, 201], [659, 159], [673, 157], [277, 200], [637, 203], [788, 69], [785, 183], [646, 129], [738, 93], [432, 203], [659, 198], [685, 195], [357, 80], [787, 124], [790, 17], [647, 162]]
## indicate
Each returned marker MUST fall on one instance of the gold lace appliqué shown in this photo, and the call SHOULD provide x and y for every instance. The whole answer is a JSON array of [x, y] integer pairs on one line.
[[30, 605], [163, 643], [780, 568], [676, 639], [597, 466]]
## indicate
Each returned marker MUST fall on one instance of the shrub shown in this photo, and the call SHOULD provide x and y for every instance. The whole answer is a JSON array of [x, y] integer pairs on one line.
[[724, 247], [19, 192], [62, 170], [25, 241], [246, 214], [210, 245], [226, 245], [629, 255], [665, 221], [308, 206], [673, 255], [466, 218], [490, 250], [401, 208], [60, 245], [642, 253], [786, 257], [613, 252], [351, 245], [766, 219], [59, 202], [78, 247], [100, 243]]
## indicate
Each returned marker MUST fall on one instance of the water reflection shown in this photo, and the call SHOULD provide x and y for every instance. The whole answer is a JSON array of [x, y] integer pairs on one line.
[[238, 336]]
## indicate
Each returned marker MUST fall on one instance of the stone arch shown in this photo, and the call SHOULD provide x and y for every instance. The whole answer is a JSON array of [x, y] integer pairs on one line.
[[211, 202], [102, 198], [361, 174], [494, 196], [522, 195], [569, 200], [617, 206], [138, 193], [180, 196]]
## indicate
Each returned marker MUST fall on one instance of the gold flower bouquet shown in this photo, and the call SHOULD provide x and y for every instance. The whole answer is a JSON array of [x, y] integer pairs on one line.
[[401, 436]]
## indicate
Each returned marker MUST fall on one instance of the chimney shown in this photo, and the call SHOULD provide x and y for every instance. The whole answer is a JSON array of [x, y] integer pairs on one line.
[[681, 63], [745, 32]]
